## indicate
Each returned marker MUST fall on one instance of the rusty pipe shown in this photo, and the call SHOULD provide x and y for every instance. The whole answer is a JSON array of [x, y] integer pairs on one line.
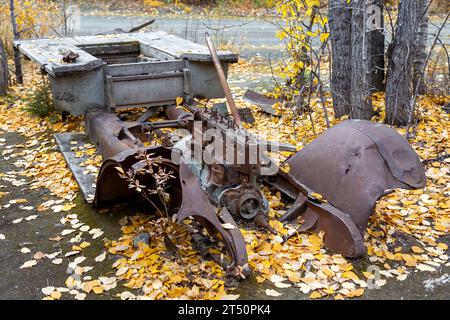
[[176, 113], [223, 81]]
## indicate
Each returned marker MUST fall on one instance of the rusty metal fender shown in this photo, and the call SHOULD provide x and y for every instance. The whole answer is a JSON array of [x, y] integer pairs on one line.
[[196, 204], [110, 187], [354, 163]]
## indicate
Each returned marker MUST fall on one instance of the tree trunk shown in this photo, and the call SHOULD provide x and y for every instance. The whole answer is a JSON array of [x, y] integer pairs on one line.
[[340, 36], [361, 99], [399, 84], [17, 62], [420, 53], [375, 21], [3, 71]]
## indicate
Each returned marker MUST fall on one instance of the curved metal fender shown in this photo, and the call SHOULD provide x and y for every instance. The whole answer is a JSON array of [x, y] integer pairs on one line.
[[354, 163], [110, 186], [341, 234], [196, 203]]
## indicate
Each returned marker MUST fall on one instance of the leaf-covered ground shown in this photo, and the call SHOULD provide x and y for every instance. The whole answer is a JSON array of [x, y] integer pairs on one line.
[[407, 233]]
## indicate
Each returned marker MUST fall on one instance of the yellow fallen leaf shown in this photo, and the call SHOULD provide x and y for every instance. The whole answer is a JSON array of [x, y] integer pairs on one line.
[[28, 264], [84, 245], [315, 295], [272, 293], [121, 271], [355, 293], [70, 282], [350, 275], [98, 290], [18, 201], [417, 249], [425, 267], [56, 295]]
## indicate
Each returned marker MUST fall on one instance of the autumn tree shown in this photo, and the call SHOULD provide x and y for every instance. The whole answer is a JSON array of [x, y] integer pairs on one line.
[[340, 16], [361, 62], [357, 42], [375, 24], [399, 83], [420, 52], [305, 34], [3, 70], [16, 34]]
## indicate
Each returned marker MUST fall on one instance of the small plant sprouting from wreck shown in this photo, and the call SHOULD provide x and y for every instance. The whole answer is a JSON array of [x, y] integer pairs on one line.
[[150, 167]]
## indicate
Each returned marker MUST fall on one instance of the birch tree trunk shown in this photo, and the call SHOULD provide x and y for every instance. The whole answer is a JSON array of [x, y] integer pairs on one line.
[[3, 70], [17, 62], [399, 85], [420, 54], [340, 36], [361, 99]]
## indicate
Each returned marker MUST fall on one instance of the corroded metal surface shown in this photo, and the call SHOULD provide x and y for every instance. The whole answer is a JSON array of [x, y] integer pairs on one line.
[[111, 188], [197, 204], [354, 163], [351, 165], [263, 102]]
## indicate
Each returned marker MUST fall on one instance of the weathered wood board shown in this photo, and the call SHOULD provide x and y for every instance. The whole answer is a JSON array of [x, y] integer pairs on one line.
[[121, 70], [49, 52], [86, 181]]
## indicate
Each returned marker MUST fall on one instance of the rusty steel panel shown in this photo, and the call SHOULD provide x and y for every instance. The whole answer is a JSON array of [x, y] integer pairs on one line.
[[197, 204], [354, 163]]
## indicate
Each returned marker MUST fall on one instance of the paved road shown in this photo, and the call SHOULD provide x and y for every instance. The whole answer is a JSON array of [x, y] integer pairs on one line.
[[252, 36]]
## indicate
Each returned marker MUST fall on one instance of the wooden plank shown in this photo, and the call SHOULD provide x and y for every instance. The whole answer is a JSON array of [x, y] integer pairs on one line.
[[86, 182], [49, 53], [110, 102], [148, 76], [63, 70], [188, 94], [112, 60], [149, 51], [144, 68], [147, 91], [224, 57], [100, 39], [180, 48], [112, 49]]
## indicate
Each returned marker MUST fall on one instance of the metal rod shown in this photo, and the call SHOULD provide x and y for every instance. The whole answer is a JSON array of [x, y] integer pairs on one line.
[[163, 124], [223, 81], [142, 26]]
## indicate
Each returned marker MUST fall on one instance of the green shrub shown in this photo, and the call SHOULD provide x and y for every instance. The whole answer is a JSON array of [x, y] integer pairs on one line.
[[40, 103]]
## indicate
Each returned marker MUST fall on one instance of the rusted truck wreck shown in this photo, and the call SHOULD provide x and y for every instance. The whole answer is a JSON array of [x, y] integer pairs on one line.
[[352, 164]]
